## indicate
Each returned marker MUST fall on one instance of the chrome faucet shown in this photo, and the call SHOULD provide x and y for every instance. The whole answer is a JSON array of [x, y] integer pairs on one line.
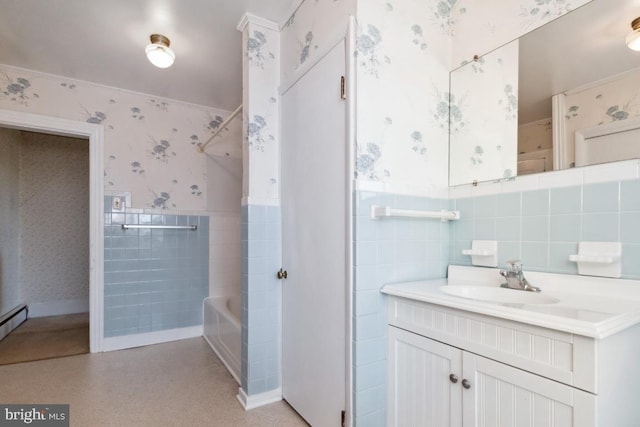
[[515, 277]]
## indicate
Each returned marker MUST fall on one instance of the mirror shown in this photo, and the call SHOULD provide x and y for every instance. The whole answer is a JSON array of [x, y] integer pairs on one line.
[[483, 123], [573, 74]]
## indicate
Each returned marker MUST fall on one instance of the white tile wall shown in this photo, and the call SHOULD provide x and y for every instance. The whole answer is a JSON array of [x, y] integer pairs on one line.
[[224, 246]]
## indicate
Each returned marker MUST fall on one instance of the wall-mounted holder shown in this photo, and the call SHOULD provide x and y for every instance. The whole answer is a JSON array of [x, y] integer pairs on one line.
[[602, 259], [386, 211], [483, 253]]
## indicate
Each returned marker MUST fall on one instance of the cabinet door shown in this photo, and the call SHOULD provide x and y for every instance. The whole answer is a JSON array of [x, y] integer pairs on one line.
[[500, 395], [420, 391]]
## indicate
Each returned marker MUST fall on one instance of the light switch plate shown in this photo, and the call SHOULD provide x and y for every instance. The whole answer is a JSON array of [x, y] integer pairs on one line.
[[117, 203]]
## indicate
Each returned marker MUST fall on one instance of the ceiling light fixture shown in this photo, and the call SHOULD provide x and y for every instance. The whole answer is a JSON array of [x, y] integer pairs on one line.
[[633, 39], [158, 52]]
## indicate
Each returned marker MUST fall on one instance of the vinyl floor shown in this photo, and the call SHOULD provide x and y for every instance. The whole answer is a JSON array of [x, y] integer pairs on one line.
[[181, 383]]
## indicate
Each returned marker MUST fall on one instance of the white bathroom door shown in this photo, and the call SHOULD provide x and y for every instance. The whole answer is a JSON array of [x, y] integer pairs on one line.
[[314, 236]]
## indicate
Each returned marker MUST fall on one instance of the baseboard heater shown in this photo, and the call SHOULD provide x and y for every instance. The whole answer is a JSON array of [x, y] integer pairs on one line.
[[12, 319]]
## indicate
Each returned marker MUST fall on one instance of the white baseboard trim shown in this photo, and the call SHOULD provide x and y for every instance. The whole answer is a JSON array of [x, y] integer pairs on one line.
[[12, 320], [257, 400], [150, 338], [58, 308]]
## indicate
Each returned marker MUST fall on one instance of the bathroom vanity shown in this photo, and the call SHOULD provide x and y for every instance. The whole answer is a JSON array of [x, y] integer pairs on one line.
[[481, 355]]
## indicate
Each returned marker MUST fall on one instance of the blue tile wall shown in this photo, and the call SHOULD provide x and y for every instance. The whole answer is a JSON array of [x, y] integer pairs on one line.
[[630, 196], [566, 200], [261, 299], [389, 250], [543, 227], [154, 279]]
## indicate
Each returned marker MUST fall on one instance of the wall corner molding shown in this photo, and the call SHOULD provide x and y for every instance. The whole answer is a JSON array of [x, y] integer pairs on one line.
[[249, 18]]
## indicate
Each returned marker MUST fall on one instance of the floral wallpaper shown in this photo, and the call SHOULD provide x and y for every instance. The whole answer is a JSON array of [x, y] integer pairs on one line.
[[402, 82], [479, 27], [150, 143], [484, 137], [405, 49], [261, 113], [446, 13], [612, 101], [402, 62], [315, 27]]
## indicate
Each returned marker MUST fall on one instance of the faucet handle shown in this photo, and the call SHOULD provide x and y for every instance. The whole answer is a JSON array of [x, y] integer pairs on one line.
[[514, 265]]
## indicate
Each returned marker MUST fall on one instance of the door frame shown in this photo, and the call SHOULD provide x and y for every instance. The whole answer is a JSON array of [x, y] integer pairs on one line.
[[350, 65], [95, 133]]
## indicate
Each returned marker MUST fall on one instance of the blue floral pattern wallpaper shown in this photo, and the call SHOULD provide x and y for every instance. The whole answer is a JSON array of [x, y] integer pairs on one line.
[[604, 103], [445, 14], [484, 146], [314, 27], [368, 46], [260, 113], [150, 143], [402, 128], [17, 90], [402, 76]]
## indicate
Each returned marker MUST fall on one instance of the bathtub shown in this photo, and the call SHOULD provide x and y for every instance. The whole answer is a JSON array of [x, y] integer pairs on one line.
[[221, 329]]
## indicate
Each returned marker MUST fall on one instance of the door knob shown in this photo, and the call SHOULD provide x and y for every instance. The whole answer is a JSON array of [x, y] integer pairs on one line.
[[466, 384], [282, 274], [453, 378]]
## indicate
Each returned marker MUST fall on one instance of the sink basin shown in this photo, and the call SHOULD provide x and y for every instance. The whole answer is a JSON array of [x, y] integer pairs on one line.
[[498, 295]]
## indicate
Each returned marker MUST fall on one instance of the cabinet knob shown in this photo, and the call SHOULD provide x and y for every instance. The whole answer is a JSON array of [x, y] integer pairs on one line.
[[466, 384], [453, 378]]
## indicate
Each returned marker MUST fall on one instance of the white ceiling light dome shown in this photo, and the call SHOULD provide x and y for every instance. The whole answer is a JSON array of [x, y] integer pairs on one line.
[[158, 52], [633, 39]]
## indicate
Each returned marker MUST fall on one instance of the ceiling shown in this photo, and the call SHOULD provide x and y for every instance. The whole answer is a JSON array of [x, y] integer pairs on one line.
[[103, 42]]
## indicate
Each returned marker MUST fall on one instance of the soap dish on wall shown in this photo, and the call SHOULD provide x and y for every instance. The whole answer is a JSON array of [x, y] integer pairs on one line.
[[484, 253], [603, 259]]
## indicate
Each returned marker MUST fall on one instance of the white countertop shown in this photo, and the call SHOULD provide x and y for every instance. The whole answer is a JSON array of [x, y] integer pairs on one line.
[[588, 306]]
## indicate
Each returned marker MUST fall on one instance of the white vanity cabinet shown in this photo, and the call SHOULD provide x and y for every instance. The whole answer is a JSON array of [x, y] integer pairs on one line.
[[434, 384], [420, 392], [451, 367]]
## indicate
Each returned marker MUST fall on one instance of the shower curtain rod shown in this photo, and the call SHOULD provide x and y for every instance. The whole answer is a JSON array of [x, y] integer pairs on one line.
[[220, 128]]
